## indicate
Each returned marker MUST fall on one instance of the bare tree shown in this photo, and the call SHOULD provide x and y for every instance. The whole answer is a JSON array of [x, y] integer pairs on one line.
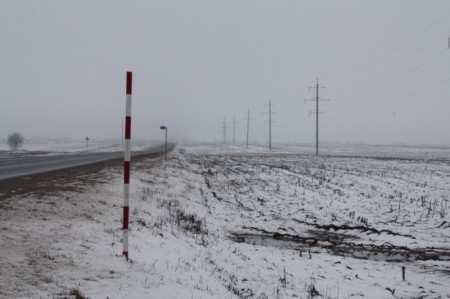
[[15, 140]]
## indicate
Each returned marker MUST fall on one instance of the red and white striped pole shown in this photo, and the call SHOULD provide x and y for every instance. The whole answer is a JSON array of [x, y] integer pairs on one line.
[[126, 168]]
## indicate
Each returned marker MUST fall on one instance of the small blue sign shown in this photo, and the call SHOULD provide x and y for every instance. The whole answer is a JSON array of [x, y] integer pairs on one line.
[[163, 128]]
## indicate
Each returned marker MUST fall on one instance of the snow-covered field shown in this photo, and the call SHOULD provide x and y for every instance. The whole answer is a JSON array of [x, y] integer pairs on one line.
[[231, 222]]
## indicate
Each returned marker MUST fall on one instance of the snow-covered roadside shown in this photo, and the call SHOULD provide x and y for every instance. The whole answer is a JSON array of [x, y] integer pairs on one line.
[[182, 214], [71, 241]]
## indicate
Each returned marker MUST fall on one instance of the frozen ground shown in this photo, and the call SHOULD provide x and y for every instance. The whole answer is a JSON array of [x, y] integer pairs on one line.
[[230, 222]]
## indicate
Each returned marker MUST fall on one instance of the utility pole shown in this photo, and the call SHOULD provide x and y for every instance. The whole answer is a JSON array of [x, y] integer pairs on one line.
[[317, 99], [165, 144], [234, 129], [224, 130], [270, 124], [248, 124], [270, 127]]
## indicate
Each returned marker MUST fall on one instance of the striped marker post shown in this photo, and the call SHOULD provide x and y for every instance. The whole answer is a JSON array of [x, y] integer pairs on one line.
[[126, 168]]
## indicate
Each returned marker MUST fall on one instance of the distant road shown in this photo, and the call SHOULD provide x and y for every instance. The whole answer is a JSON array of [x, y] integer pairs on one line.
[[13, 167]]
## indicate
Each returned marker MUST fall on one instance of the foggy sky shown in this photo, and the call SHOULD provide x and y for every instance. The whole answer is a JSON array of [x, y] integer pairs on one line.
[[384, 64]]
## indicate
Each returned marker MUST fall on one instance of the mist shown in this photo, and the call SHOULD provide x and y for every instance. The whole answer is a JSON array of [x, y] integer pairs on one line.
[[384, 66]]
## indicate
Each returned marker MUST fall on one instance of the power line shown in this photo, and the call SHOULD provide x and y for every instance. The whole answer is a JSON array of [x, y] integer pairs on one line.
[[402, 99], [373, 61], [391, 81], [392, 66]]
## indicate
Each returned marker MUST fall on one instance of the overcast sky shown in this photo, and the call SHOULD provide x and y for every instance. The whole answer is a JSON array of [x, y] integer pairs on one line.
[[385, 66]]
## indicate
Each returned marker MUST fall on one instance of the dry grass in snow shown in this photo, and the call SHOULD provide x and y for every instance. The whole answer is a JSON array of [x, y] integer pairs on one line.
[[232, 223]]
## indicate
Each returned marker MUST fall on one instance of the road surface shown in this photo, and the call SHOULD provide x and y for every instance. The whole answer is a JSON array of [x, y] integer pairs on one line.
[[13, 167]]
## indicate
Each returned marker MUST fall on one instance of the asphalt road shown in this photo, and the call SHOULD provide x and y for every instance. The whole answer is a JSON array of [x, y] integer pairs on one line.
[[13, 167]]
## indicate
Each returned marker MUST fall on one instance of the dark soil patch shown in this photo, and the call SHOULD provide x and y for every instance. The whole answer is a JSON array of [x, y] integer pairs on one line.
[[342, 245]]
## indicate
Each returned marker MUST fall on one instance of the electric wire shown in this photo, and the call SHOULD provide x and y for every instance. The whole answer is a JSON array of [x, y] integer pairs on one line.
[[401, 99], [427, 44], [387, 54], [402, 75]]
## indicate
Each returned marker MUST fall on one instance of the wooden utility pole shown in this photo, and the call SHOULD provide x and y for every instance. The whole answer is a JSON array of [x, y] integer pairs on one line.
[[224, 131], [270, 127], [248, 124], [234, 129], [270, 124], [317, 117]]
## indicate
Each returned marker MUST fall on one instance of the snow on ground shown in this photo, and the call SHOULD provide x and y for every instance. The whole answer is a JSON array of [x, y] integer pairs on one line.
[[231, 222], [43, 147]]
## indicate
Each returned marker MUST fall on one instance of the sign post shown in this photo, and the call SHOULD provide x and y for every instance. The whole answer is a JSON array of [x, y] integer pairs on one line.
[[165, 151]]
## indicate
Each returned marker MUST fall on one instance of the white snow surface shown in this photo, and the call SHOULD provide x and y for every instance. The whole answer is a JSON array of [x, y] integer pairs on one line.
[[183, 213]]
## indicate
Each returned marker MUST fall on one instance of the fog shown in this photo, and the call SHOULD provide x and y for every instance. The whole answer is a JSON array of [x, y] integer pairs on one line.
[[384, 65]]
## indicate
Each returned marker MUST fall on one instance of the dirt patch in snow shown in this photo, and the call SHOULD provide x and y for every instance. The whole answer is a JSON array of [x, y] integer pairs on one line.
[[340, 244]]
